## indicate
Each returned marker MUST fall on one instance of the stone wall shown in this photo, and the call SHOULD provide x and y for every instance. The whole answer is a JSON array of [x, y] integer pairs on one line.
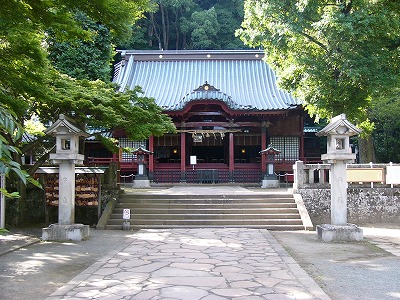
[[365, 205]]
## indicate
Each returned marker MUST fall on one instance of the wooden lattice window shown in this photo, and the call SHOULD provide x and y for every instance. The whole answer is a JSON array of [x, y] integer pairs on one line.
[[126, 143], [288, 145]]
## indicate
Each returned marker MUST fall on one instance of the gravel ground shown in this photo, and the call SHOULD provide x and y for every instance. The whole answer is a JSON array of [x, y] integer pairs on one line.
[[347, 271]]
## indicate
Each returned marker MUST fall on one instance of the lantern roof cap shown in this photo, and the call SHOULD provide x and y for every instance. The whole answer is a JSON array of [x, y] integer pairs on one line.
[[270, 150], [65, 124], [339, 125], [142, 150]]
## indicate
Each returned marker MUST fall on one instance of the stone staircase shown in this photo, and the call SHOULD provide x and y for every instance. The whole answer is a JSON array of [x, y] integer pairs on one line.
[[269, 211]]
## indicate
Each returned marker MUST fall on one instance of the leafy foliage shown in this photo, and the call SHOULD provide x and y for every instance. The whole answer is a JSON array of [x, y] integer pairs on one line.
[[11, 131], [30, 86], [24, 64], [205, 29], [84, 59], [97, 105], [385, 113], [189, 24], [336, 56]]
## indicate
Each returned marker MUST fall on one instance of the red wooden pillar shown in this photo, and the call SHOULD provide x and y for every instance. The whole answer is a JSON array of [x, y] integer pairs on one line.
[[151, 157], [301, 130], [263, 147], [231, 153], [183, 151]]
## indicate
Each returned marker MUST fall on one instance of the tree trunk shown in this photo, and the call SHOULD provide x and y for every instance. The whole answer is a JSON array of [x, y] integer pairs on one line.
[[164, 27], [155, 31], [366, 150]]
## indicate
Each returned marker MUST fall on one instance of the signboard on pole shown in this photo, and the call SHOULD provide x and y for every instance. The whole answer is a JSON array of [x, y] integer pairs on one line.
[[126, 214]]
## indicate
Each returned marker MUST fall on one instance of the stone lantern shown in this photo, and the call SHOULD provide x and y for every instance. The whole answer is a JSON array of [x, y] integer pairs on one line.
[[338, 133], [270, 179], [141, 178], [67, 155]]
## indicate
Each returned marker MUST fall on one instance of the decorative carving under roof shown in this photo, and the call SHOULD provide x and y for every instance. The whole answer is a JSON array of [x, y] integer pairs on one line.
[[206, 87], [209, 92]]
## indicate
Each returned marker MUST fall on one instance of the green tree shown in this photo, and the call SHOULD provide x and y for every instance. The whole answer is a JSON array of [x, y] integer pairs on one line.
[[84, 59], [384, 114], [165, 23], [334, 56], [182, 24], [23, 24], [10, 132], [29, 85], [229, 15], [205, 29]]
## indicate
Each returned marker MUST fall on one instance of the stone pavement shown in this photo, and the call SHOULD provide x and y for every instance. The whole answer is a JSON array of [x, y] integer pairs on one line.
[[207, 264]]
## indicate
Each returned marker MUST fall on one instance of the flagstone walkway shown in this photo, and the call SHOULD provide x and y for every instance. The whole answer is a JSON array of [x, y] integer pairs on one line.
[[206, 264]]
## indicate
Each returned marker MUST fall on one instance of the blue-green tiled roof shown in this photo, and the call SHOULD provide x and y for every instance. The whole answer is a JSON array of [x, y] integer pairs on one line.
[[244, 81]]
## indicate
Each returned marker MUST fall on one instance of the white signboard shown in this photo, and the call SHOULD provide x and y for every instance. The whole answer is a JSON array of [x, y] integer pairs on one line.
[[393, 175], [140, 169], [193, 159], [126, 214]]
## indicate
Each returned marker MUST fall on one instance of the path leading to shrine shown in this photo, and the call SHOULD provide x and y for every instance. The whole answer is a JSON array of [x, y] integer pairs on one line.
[[212, 263]]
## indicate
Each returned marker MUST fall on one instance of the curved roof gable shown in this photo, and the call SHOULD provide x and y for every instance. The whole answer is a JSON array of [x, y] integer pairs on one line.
[[244, 80], [208, 92]]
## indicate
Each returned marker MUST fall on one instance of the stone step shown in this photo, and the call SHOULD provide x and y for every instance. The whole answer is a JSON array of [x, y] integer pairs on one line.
[[208, 196], [247, 225], [204, 216], [205, 199], [223, 210], [274, 212], [201, 206]]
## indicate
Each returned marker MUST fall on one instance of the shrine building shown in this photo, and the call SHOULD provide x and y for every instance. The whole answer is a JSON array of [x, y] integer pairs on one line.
[[226, 106]]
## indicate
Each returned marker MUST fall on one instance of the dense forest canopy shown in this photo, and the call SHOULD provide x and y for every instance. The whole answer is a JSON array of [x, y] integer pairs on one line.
[[188, 24]]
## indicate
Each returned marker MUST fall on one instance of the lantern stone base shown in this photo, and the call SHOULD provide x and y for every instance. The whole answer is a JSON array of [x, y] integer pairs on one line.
[[270, 183], [141, 183], [339, 233], [126, 225], [64, 233]]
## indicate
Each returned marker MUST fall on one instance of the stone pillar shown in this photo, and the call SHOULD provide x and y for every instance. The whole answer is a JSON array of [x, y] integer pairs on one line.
[[298, 171], [338, 194], [66, 203]]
